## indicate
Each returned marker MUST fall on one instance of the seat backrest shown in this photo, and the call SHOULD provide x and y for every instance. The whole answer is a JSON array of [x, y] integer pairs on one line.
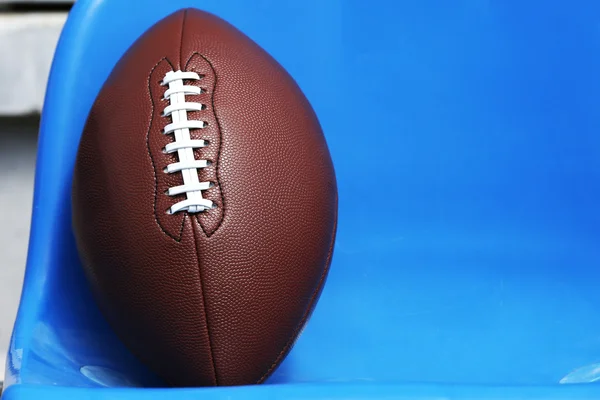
[[58, 328], [465, 140]]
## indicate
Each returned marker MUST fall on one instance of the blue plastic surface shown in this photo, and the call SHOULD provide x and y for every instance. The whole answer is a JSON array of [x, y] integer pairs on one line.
[[466, 139]]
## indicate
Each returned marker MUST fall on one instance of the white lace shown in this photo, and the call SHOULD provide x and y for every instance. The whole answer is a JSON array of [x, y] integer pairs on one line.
[[183, 144]]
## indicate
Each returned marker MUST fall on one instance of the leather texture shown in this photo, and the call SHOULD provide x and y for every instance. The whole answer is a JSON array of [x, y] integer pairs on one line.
[[216, 298]]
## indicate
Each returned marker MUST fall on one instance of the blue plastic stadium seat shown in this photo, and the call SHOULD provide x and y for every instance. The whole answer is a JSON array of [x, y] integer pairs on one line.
[[466, 139]]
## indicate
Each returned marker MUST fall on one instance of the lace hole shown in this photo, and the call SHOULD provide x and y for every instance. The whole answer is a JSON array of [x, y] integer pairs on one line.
[[203, 107], [211, 185], [208, 163], [165, 170], [168, 212], [206, 142], [205, 124], [164, 150]]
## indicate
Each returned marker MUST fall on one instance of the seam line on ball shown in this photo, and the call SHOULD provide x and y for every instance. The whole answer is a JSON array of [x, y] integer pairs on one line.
[[209, 337], [185, 12]]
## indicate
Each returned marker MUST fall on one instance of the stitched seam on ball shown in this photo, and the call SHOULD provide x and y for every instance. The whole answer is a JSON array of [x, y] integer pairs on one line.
[[218, 157], [309, 308], [181, 39], [210, 344], [177, 239]]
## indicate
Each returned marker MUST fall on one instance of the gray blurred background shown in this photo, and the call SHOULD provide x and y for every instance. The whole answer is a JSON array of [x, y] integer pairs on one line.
[[29, 31]]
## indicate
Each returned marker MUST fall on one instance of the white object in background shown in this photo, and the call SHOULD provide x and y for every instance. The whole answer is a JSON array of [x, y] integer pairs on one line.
[[18, 139], [36, 1], [27, 43]]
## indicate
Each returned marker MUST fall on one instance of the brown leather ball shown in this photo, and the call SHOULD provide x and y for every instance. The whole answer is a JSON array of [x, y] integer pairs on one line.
[[204, 203]]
